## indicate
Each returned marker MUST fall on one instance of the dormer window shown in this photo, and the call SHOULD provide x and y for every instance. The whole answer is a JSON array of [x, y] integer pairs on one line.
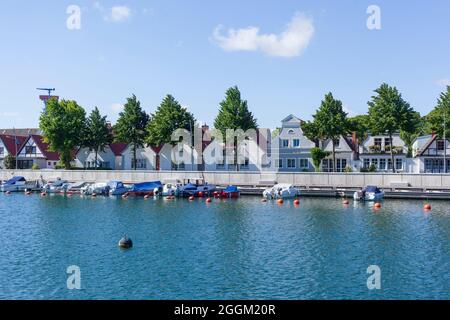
[[291, 131]]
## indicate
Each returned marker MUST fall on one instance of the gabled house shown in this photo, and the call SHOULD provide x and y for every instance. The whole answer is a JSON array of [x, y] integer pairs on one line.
[[346, 153], [376, 150], [110, 158], [9, 144], [429, 153], [253, 153], [291, 150], [34, 151]]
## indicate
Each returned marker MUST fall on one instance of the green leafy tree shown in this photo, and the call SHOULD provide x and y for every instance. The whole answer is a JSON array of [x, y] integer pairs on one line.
[[169, 117], [130, 127], [329, 122], [317, 155], [415, 131], [97, 135], [360, 125], [9, 162], [234, 114], [434, 121], [62, 124], [389, 113]]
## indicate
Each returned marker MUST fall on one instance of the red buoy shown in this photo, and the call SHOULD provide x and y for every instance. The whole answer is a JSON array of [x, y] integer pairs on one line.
[[200, 194], [345, 202], [377, 205], [296, 202], [264, 200], [191, 198], [208, 200], [427, 206]]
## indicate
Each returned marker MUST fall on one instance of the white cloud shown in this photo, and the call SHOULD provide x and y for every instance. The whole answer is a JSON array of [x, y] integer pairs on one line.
[[117, 107], [349, 111], [119, 13], [443, 82], [290, 43], [114, 14]]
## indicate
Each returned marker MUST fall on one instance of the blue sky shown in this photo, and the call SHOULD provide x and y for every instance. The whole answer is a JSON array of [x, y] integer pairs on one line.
[[152, 48]]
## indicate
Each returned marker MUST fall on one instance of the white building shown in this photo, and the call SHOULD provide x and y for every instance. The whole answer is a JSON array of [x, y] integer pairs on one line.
[[34, 151], [109, 158], [429, 151], [291, 150], [346, 154], [375, 150], [9, 144]]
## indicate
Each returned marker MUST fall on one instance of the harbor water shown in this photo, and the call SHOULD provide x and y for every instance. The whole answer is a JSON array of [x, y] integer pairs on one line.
[[228, 249]]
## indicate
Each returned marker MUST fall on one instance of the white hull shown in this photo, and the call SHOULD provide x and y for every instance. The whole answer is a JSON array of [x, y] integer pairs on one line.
[[370, 196], [281, 191]]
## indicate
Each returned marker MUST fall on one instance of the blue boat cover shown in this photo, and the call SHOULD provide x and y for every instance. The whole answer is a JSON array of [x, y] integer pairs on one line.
[[116, 184], [372, 189], [189, 187], [147, 186], [230, 189], [15, 179]]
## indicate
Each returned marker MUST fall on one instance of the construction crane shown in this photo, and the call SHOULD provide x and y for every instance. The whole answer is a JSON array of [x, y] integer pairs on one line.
[[47, 97]]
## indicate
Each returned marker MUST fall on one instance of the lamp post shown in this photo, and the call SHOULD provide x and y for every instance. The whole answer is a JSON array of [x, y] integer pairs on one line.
[[445, 146]]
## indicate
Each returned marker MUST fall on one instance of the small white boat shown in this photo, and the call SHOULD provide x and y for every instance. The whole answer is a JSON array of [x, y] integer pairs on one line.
[[281, 191], [74, 187], [55, 186], [14, 184], [117, 188], [369, 193], [172, 188], [101, 188]]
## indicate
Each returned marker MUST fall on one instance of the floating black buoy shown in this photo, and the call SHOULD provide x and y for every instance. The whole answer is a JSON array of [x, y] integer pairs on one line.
[[125, 242]]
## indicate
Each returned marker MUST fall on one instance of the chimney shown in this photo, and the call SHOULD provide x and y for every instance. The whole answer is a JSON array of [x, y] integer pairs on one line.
[[205, 128], [354, 139], [433, 134]]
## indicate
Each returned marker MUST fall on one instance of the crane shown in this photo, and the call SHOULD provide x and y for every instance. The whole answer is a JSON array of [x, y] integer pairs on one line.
[[46, 98]]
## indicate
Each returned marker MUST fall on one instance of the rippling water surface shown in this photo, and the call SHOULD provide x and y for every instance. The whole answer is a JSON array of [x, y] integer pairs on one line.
[[233, 249]]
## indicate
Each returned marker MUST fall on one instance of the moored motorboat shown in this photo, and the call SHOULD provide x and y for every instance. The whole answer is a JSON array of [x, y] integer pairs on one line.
[[281, 191], [56, 186], [171, 188], [151, 188], [228, 192], [101, 188], [198, 188], [117, 188], [369, 193], [74, 188], [15, 184]]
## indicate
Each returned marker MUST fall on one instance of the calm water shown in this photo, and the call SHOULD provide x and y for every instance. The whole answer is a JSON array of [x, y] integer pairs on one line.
[[234, 249]]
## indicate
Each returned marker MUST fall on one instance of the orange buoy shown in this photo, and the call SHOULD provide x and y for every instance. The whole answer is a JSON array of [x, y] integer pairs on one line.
[[264, 200], [191, 198], [345, 202], [94, 195], [280, 201], [145, 197], [28, 193], [296, 202], [427, 206], [377, 205], [208, 200], [43, 194]]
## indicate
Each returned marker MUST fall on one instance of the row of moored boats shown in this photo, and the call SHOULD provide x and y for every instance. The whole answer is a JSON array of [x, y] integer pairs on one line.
[[175, 188]]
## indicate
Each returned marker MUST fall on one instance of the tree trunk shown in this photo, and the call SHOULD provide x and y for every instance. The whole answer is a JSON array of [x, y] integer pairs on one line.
[[334, 156], [134, 157], [96, 158], [392, 153]]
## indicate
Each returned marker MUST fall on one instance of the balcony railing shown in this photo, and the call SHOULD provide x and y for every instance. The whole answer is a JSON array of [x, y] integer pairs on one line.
[[377, 149]]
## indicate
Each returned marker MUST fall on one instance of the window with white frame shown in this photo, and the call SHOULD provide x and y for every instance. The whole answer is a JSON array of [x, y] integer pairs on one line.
[[140, 164], [285, 143], [399, 164], [440, 145], [389, 162], [296, 143], [366, 163], [279, 163], [382, 164], [375, 162], [304, 164], [291, 163]]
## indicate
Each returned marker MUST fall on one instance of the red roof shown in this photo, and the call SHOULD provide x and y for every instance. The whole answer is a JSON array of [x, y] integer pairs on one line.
[[8, 141], [157, 149], [118, 148], [39, 140]]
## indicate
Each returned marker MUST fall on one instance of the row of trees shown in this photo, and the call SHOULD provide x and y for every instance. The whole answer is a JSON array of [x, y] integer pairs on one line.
[[388, 113], [66, 127]]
